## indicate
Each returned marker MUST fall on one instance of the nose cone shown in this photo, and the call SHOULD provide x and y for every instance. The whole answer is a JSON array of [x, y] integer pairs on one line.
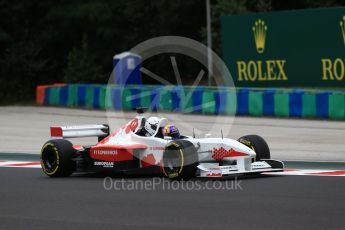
[[239, 148], [248, 151]]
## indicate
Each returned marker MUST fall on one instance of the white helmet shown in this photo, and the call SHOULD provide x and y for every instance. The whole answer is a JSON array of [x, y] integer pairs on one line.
[[151, 125]]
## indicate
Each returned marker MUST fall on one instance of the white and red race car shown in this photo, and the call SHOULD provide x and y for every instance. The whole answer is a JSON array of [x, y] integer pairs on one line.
[[127, 151]]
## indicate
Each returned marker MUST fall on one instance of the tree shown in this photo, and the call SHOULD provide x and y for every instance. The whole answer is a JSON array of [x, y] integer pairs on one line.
[[81, 67], [231, 7], [44, 42]]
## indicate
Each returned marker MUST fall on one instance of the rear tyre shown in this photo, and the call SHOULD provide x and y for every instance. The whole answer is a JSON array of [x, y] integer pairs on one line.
[[258, 144], [56, 158], [180, 160]]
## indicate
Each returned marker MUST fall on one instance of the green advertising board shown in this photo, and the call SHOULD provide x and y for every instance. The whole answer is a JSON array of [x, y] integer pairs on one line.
[[304, 48]]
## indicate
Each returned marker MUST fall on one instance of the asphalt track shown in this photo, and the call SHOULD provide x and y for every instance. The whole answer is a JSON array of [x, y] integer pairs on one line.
[[30, 200]]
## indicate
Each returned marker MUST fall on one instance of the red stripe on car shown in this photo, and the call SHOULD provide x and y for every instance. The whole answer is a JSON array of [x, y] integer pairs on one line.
[[132, 126], [106, 153], [148, 160], [56, 131], [219, 154], [214, 174]]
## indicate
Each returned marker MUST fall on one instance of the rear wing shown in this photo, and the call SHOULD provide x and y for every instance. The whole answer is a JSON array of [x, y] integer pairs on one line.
[[100, 131]]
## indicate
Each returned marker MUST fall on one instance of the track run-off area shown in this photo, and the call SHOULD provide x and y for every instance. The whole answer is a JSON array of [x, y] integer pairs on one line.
[[308, 195]]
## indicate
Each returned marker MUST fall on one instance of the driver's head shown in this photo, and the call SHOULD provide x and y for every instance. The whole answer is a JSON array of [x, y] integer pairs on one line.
[[151, 125], [171, 131]]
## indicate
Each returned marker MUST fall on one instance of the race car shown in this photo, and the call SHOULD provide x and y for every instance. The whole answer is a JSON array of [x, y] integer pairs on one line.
[[152, 146]]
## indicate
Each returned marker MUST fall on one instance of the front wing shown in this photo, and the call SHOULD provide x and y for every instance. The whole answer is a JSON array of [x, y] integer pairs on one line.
[[211, 170]]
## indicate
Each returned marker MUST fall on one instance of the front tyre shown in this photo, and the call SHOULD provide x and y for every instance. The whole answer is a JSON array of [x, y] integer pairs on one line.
[[258, 144], [180, 160], [56, 158]]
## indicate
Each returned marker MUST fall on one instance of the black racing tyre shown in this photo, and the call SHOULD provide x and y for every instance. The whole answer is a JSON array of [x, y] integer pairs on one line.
[[56, 158], [258, 144], [180, 160]]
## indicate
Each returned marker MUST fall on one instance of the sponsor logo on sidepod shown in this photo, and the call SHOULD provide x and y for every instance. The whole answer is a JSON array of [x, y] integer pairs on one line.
[[105, 152], [104, 164]]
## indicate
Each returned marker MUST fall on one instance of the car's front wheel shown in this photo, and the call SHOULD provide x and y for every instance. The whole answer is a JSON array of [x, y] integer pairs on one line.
[[258, 144], [180, 160], [56, 158]]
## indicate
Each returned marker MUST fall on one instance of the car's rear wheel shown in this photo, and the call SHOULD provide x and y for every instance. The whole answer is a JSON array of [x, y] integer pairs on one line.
[[258, 144], [180, 160], [56, 158]]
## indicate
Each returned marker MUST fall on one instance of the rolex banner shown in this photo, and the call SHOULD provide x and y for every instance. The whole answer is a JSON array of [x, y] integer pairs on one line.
[[304, 48]]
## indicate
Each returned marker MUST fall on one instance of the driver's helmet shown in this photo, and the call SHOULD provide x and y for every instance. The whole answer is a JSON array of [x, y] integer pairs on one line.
[[171, 131], [151, 125]]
